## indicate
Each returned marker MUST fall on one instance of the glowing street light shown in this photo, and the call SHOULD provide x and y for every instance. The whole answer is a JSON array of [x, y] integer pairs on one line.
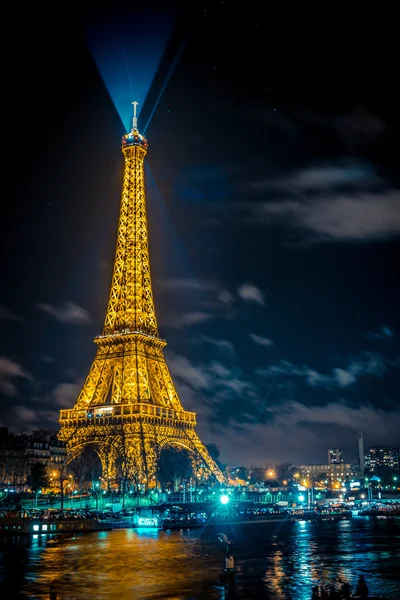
[[224, 499]]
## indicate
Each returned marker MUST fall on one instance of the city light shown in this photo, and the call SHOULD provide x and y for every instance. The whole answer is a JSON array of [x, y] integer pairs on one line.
[[148, 522], [224, 499]]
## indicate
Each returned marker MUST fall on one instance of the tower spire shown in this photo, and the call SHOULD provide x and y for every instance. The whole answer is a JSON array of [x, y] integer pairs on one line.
[[134, 120]]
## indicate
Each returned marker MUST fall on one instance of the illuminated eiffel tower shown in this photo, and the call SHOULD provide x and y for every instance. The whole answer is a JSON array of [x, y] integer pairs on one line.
[[128, 409]]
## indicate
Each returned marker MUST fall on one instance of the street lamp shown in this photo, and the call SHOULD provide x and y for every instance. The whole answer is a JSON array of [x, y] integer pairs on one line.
[[224, 499]]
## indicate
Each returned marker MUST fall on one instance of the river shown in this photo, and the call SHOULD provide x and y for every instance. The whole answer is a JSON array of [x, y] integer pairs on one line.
[[279, 560]]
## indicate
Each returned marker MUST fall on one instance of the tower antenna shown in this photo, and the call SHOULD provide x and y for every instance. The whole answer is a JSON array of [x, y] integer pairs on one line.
[[134, 120]]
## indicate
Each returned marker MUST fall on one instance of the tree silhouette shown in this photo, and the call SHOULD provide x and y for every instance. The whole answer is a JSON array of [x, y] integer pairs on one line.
[[38, 477], [214, 452], [174, 467], [83, 466]]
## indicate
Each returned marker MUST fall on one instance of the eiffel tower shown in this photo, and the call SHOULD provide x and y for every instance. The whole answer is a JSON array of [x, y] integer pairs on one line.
[[128, 409]]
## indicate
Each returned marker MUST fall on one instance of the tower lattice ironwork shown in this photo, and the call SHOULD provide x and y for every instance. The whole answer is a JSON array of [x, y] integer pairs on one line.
[[128, 409]]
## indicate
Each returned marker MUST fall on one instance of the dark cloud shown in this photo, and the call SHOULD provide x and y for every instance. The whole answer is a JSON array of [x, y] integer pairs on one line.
[[224, 346], [384, 333], [250, 293], [10, 372], [8, 315], [188, 319], [361, 218], [68, 313], [261, 340], [368, 363], [346, 202]]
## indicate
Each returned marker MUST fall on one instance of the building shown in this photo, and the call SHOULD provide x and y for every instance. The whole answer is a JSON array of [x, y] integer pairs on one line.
[[332, 472], [380, 457], [37, 450], [58, 452], [14, 469], [335, 456], [19, 452], [361, 460]]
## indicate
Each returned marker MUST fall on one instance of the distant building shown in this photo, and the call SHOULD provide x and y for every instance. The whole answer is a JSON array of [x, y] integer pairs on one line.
[[361, 460], [37, 450], [58, 452], [382, 456], [333, 472], [19, 452], [335, 457], [14, 468]]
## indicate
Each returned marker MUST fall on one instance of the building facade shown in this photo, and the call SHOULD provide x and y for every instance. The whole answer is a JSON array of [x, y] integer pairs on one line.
[[335, 456], [14, 469], [332, 472], [19, 452], [380, 457]]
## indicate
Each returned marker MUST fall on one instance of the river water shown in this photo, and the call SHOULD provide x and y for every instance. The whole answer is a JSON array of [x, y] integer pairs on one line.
[[278, 560]]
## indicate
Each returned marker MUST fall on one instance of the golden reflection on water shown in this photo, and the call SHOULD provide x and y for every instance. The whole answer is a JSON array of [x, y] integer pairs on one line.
[[276, 561], [275, 575], [127, 564]]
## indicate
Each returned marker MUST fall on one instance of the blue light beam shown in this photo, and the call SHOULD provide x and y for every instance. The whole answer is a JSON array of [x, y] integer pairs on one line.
[[128, 47]]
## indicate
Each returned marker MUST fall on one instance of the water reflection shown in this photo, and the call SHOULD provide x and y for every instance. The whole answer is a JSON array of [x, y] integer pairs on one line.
[[122, 564], [276, 561]]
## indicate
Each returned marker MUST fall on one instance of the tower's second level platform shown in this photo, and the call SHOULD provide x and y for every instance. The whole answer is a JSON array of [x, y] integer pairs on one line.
[[116, 414]]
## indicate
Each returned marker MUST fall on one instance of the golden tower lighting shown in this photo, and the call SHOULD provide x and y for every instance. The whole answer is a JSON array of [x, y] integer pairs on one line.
[[128, 408]]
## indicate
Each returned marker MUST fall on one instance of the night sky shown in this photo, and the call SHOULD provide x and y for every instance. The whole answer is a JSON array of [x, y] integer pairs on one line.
[[274, 218]]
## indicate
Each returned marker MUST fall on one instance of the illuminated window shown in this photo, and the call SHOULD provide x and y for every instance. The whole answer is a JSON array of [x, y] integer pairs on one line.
[[36, 528]]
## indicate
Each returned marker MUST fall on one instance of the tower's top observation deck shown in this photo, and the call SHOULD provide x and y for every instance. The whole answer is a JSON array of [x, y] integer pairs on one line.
[[134, 138]]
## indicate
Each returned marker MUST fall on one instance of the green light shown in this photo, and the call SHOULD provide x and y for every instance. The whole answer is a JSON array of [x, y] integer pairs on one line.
[[224, 499]]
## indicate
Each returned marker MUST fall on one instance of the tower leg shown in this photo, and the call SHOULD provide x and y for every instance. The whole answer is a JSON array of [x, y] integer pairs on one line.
[[108, 456]]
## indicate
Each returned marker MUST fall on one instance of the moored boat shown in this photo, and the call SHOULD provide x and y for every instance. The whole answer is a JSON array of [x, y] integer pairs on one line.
[[50, 522]]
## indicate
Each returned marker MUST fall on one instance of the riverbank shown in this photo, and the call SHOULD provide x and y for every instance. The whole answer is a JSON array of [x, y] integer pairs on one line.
[[48, 523]]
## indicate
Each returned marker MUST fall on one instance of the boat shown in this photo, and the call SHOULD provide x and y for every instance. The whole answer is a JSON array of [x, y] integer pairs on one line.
[[50, 522]]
